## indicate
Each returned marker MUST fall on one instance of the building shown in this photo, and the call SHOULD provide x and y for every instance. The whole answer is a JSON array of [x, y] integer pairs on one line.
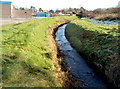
[[33, 9], [5, 9], [18, 13], [39, 14]]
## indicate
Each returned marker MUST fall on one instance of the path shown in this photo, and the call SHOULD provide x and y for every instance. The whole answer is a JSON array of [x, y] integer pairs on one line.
[[17, 20]]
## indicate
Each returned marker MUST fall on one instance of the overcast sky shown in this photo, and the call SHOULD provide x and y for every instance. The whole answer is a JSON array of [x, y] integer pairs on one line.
[[60, 4]]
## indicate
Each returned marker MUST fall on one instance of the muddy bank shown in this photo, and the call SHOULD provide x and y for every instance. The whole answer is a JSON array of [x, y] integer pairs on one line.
[[62, 74]]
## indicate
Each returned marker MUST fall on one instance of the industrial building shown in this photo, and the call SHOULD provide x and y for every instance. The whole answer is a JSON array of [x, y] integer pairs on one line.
[[7, 12], [5, 9], [21, 13], [39, 14]]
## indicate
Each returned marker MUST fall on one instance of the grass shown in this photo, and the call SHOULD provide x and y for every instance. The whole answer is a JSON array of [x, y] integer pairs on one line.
[[27, 59], [100, 44]]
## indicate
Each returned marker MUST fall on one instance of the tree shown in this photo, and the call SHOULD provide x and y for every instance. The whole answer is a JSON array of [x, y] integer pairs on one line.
[[82, 10], [112, 10], [40, 10], [64, 11], [32, 8], [58, 10], [75, 9], [51, 11], [22, 8], [98, 11]]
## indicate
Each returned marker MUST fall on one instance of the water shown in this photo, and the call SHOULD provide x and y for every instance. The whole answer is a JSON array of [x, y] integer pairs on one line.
[[100, 22], [77, 64]]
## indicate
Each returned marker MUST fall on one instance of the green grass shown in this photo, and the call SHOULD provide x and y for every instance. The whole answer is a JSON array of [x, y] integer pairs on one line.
[[26, 55], [100, 46]]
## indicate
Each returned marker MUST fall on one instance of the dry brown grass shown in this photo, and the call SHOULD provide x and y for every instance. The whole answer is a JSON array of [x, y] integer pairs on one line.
[[106, 16]]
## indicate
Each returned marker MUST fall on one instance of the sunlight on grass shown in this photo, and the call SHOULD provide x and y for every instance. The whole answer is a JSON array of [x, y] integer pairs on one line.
[[27, 61]]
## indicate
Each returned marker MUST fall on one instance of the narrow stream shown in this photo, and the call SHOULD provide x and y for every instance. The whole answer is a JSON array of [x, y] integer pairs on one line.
[[77, 64]]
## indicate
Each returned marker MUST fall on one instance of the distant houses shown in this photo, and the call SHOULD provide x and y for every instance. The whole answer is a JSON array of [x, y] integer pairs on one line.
[[9, 11], [6, 11]]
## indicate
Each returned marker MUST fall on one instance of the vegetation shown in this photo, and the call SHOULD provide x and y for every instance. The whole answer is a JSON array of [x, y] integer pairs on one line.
[[105, 14], [110, 17], [27, 58], [99, 13], [100, 44]]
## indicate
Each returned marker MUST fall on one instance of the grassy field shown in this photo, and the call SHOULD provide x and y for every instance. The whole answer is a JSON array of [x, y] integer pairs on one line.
[[27, 59], [99, 44]]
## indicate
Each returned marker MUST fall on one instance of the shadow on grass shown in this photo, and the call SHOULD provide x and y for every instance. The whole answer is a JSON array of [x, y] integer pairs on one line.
[[98, 49]]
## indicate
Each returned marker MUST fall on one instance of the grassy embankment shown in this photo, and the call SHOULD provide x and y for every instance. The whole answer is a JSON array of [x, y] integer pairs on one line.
[[28, 59], [100, 44]]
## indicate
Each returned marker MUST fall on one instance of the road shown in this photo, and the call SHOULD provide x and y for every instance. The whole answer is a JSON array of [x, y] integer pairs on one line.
[[4, 21]]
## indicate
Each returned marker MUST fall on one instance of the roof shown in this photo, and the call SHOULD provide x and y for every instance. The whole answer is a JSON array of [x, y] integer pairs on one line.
[[5, 2]]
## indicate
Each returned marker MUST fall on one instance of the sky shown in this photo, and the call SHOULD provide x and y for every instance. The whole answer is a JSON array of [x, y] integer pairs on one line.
[[61, 4]]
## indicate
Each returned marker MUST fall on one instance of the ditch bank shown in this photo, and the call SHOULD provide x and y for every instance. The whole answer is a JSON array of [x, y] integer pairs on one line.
[[77, 65], [63, 74], [100, 49]]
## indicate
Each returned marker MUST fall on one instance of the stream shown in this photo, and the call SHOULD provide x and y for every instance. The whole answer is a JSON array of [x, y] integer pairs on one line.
[[78, 66]]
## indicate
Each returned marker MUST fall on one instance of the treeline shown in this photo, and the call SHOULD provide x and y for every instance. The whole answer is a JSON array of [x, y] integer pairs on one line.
[[103, 11], [106, 14], [99, 13]]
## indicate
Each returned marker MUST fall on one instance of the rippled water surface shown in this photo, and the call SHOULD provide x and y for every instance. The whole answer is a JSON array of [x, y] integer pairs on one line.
[[77, 64]]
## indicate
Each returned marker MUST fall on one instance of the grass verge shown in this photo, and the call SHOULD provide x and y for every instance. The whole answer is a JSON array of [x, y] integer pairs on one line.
[[28, 59], [100, 44]]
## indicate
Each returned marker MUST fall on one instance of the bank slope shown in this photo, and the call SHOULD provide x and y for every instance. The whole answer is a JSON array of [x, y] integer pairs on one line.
[[99, 44], [28, 59]]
